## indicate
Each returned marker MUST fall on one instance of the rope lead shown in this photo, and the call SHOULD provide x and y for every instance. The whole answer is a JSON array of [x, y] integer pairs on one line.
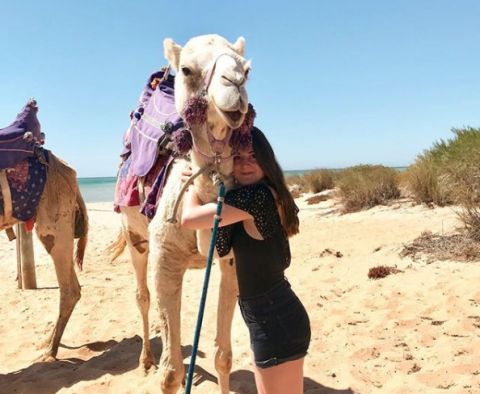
[[216, 221]]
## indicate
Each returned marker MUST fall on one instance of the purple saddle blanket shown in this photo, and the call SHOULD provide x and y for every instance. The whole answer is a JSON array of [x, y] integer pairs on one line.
[[126, 189], [154, 116], [27, 181], [18, 141]]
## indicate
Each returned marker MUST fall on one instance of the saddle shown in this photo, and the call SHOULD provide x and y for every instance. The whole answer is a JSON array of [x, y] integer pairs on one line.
[[18, 141], [22, 167], [148, 149], [152, 123]]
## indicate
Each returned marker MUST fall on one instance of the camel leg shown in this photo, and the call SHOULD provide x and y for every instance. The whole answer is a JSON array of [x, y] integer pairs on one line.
[[59, 244], [226, 307], [168, 281], [135, 229]]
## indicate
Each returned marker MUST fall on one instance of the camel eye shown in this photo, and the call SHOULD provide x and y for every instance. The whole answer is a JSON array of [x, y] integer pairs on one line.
[[186, 71]]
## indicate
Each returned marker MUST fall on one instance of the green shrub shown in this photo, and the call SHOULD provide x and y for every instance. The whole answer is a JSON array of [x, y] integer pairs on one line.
[[461, 166], [365, 186], [462, 172], [319, 180], [425, 183], [448, 173]]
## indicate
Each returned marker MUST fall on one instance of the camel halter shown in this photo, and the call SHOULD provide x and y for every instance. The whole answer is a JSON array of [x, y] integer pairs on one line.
[[217, 146]]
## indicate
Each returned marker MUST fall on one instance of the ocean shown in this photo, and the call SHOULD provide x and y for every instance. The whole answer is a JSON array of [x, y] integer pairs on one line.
[[97, 189], [102, 189]]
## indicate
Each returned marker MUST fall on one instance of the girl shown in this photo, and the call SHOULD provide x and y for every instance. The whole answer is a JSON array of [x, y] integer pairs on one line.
[[256, 221]]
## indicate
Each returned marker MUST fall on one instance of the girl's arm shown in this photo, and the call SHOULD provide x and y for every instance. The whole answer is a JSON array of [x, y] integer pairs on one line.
[[197, 216]]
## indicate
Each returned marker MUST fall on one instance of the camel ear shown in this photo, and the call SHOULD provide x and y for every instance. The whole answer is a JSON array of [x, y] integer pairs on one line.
[[171, 51], [239, 46]]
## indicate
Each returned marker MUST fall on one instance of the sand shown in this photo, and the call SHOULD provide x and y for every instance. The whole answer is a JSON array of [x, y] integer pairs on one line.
[[417, 331]]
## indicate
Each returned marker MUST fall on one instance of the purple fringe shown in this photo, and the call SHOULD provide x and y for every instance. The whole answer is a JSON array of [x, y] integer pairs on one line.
[[195, 111], [241, 138], [183, 141]]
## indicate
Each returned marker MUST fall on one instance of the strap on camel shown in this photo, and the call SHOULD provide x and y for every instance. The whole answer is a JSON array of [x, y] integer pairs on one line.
[[7, 204], [173, 218], [7, 196]]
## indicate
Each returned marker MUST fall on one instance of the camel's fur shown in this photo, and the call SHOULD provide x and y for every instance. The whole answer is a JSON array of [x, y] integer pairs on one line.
[[54, 225], [169, 247]]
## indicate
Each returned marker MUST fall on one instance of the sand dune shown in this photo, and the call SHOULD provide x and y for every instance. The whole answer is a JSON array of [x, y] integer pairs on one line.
[[417, 331]]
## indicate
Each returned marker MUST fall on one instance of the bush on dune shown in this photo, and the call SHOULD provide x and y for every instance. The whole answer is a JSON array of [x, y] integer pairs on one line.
[[461, 166], [462, 173], [319, 180], [426, 185], [365, 186], [449, 173], [296, 185], [314, 181]]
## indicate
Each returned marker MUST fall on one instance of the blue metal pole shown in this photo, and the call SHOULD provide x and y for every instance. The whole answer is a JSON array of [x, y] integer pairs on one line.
[[216, 221]]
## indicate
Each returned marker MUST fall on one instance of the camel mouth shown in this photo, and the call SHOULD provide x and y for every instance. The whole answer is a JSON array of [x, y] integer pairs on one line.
[[234, 118], [234, 115]]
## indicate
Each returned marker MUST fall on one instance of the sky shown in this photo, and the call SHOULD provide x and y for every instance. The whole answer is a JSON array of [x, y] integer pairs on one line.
[[334, 83]]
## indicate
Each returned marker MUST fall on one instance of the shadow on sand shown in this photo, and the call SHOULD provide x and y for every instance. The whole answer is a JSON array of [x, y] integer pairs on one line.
[[49, 377], [118, 358]]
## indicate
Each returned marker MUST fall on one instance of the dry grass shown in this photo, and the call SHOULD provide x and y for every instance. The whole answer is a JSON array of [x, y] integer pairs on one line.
[[318, 198], [296, 185], [331, 252], [296, 193], [366, 186], [381, 271], [458, 247], [470, 217]]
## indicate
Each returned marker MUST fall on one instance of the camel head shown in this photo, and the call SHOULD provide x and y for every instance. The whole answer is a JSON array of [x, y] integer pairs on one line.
[[210, 68]]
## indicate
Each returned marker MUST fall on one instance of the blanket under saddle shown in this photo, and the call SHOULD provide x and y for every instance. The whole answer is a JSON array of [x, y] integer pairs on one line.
[[27, 181]]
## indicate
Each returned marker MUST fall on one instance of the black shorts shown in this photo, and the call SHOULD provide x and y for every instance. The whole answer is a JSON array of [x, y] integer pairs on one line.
[[279, 325]]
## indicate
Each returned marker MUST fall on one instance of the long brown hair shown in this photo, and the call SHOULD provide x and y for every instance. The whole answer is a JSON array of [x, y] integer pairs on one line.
[[275, 179]]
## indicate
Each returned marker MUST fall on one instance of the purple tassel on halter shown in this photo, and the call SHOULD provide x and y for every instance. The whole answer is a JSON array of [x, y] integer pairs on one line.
[[182, 140], [241, 137], [195, 111]]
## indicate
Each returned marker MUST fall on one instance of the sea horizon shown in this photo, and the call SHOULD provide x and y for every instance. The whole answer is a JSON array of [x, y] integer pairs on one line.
[[102, 189]]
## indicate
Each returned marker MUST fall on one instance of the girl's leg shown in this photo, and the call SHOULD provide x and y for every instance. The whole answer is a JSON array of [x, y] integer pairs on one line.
[[286, 378]]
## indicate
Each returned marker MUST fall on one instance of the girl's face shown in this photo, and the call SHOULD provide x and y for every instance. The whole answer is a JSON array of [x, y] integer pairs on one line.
[[246, 170]]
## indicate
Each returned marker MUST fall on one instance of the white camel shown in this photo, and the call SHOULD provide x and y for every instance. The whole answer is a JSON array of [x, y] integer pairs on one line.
[[55, 227], [209, 62]]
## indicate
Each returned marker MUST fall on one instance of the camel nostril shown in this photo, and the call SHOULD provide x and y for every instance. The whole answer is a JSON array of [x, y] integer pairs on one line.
[[237, 83]]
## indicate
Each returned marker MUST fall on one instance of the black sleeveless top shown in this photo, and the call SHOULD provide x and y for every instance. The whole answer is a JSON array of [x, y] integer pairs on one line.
[[260, 264]]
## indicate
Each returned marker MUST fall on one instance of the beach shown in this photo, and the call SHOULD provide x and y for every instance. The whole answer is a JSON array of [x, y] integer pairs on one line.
[[416, 331]]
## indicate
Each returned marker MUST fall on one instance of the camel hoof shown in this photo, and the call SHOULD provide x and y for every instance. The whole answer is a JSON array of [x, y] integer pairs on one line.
[[46, 358], [147, 363], [171, 380]]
